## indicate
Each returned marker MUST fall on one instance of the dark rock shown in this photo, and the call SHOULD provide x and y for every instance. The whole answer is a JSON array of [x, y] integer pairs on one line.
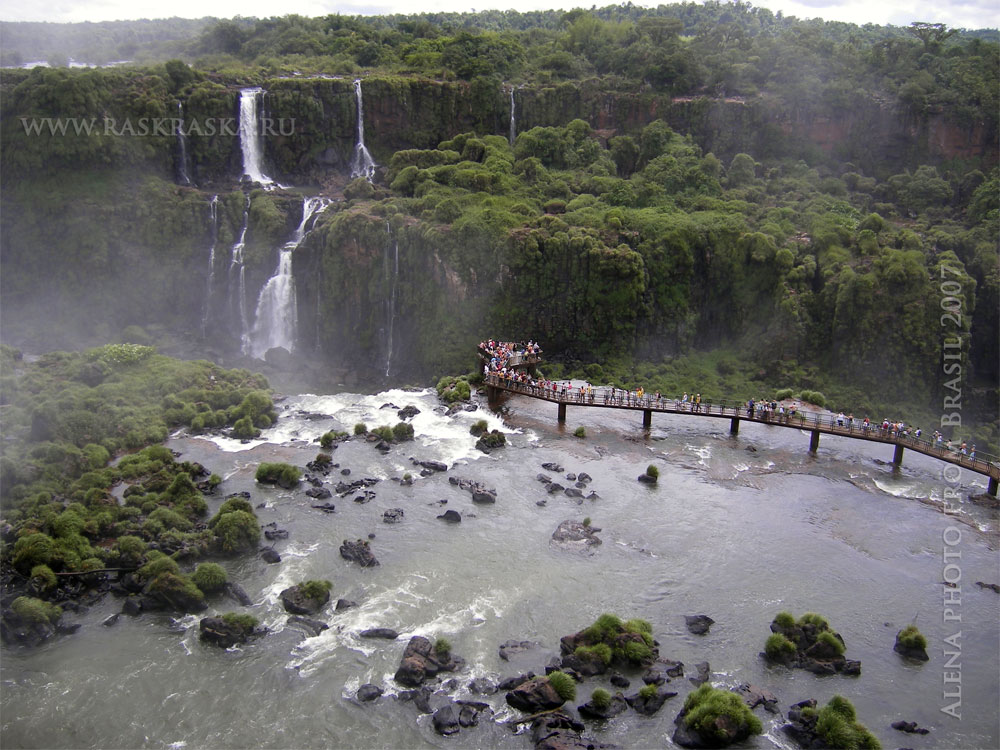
[[393, 515], [108, 622], [646, 479], [451, 516], [512, 682], [655, 675], [851, 668], [297, 603], [584, 477], [445, 721], [593, 496], [755, 696], [238, 594], [535, 695], [573, 492], [703, 672], [434, 465], [991, 586], [343, 604], [387, 633], [220, 633], [68, 629], [513, 648], [359, 552], [272, 534], [365, 497], [917, 653], [388, 405], [555, 487], [408, 412], [313, 627], [268, 555], [345, 472], [481, 494], [326, 507], [542, 503], [482, 686], [557, 731], [573, 534], [725, 731], [421, 698], [673, 668], [421, 661], [369, 692], [698, 624], [590, 711], [619, 680], [383, 446], [571, 477], [544, 478], [132, 606], [468, 715], [649, 706], [319, 493], [586, 665], [554, 467], [910, 727]]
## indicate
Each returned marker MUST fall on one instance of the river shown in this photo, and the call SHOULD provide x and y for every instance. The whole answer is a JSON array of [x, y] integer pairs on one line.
[[736, 528]]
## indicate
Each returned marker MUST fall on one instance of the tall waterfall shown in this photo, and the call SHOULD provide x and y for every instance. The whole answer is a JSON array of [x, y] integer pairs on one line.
[[210, 287], [362, 165], [237, 278], [392, 294], [182, 158], [250, 139], [513, 118], [276, 317]]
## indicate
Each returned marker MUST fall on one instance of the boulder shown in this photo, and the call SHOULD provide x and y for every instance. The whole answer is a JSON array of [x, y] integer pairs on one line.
[[408, 412], [434, 465], [387, 633], [312, 627], [910, 727], [482, 686], [369, 692], [218, 632], [702, 673], [445, 721], [755, 696], [554, 487], [268, 555], [421, 661], [619, 680], [273, 534], [451, 516], [319, 493], [725, 731], [393, 515], [698, 624], [481, 494], [646, 479], [358, 551], [553, 467], [649, 706], [512, 682], [573, 492], [237, 593], [573, 534], [509, 649], [533, 696], [544, 478], [916, 652], [589, 711], [294, 600], [326, 507], [557, 731], [343, 604]]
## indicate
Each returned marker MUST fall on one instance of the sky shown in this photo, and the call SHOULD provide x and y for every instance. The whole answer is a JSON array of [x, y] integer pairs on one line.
[[968, 14]]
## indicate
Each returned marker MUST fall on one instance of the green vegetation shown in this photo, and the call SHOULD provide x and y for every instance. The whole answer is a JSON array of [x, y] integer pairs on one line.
[[612, 641], [652, 471], [442, 647], [586, 521], [600, 698], [402, 431], [360, 428], [236, 531], [278, 473], [453, 389], [784, 620], [564, 685], [43, 578], [648, 691], [837, 725], [34, 610], [909, 637], [244, 622], [327, 439], [831, 642], [580, 432], [479, 427], [315, 589], [778, 647], [209, 577], [707, 704]]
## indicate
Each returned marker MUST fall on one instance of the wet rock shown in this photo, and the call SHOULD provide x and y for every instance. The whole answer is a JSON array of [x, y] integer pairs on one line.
[[481, 494], [219, 632], [451, 516], [343, 604], [702, 673], [408, 412], [512, 682], [571, 477], [108, 622], [649, 706], [272, 534], [619, 680], [542, 503], [269, 556], [510, 649], [326, 507], [358, 551], [319, 493], [584, 477], [445, 721], [369, 692], [482, 686], [646, 479], [655, 675], [238, 594], [544, 478], [296, 602], [388, 405], [433, 465], [421, 661], [535, 695], [553, 467], [385, 633], [586, 665], [755, 696], [574, 535], [616, 706], [312, 627], [555, 487], [593, 496], [132, 606], [725, 731], [393, 515], [366, 497], [991, 586], [345, 472], [573, 492], [468, 715], [557, 731], [698, 624], [919, 653], [910, 727]]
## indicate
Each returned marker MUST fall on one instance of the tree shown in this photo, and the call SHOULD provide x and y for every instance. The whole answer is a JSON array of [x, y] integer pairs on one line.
[[931, 34]]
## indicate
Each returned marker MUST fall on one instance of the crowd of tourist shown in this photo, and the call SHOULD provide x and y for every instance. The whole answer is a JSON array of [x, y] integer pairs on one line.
[[503, 356]]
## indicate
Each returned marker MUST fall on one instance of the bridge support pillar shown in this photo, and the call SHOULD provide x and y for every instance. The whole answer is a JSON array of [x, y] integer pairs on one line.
[[897, 456], [734, 426], [492, 393], [992, 488], [562, 413], [647, 418], [814, 441]]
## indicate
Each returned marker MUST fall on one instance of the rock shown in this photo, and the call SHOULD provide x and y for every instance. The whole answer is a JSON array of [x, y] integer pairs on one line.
[[132, 606], [573, 534], [533, 696], [434, 465], [294, 600], [369, 692], [268, 555], [542, 503], [408, 412], [755, 696], [393, 515], [586, 665], [910, 727], [319, 493], [468, 715], [108, 622], [698, 624], [703, 671], [345, 472], [646, 479], [312, 627], [991, 586], [555, 487], [512, 682], [649, 706], [451, 516], [919, 653], [481, 494], [554, 467], [514, 648], [237, 593], [725, 731], [593, 496], [655, 675], [584, 477], [343, 604], [326, 507], [482, 686], [573, 492], [387, 633], [619, 680], [272, 534], [673, 668], [616, 706], [365, 497], [420, 661], [557, 731], [543, 478], [359, 552], [445, 722], [218, 632]]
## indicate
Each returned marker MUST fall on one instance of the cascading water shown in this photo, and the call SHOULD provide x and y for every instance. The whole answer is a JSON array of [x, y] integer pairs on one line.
[[276, 317], [250, 140], [214, 208], [513, 118], [362, 165], [392, 295], [237, 278], [182, 158]]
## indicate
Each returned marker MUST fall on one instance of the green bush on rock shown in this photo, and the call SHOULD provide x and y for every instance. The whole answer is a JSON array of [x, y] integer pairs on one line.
[[35, 610], [563, 684], [236, 532], [284, 475], [720, 717], [209, 577], [837, 726]]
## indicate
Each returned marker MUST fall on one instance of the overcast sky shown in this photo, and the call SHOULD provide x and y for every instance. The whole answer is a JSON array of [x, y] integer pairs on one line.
[[969, 14]]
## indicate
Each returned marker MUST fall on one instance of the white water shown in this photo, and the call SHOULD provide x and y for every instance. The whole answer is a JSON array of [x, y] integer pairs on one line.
[[276, 316], [392, 297], [250, 140], [513, 118], [362, 165], [182, 172], [214, 208], [237, 286]]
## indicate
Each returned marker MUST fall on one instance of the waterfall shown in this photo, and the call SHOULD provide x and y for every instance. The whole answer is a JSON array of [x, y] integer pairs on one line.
[[362, 165], [237, 285], [250, 139], [182, 157], [276, 317], [392, 294], [214, 207], [513, 119]]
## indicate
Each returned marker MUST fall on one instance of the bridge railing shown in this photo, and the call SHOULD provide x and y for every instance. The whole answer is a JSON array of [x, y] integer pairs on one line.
[[806, 420]]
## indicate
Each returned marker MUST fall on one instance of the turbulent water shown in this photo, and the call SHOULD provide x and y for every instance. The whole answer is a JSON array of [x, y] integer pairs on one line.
[[250, 137], [362, 165], [731, 532]]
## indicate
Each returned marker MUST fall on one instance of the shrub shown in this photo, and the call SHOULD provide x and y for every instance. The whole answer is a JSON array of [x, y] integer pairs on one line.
[[130, 550], [158, 565], [784, 393], [778, 647], [600, 698], [606, 627], [479, 428], [818, 621], [442, 647], [495, 439], [32, 550], [652, 471], [278, 473], [174, 587], [580, 432], [813, 397], [244, 622], [43, 577], [837, 726], [231, 504], [586, 521], [384, 432], [784, 620], [707, 704], [322, 459], [243, 429], [564, 685], [637, 625], [315, 589], [360, 428], [31, 609], [648, 691], [209, 577], [402, 431], [600, 651], [832, 641], [237, 532], [909, 637]]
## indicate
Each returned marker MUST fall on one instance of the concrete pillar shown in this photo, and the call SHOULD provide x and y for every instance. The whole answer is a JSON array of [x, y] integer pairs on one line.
[[734, 426], [992, 488], [897, 456], [647, 418], [814, 441], [562, 412]]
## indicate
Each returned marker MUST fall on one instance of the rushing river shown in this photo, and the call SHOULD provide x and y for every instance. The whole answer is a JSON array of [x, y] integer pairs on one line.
[[737, 528]]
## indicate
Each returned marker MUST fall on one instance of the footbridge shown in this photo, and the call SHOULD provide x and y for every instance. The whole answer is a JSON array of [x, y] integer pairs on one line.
[[817, 424]]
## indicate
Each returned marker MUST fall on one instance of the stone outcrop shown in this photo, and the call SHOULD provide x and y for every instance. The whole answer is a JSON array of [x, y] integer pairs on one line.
[[420, 662], [358, 551]]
